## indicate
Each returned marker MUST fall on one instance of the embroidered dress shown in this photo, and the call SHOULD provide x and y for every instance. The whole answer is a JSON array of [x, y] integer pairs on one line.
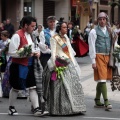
[[5, 83], [65, 95]]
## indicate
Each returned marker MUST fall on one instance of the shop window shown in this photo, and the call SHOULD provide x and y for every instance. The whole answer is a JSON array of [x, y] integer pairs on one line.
[[27, 7], [104, 2]]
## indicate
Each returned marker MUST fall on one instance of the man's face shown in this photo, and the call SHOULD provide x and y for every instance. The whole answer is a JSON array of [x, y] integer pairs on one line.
[[7, 21], [29, 28], [70, 26], [51, 24], [102, 21]]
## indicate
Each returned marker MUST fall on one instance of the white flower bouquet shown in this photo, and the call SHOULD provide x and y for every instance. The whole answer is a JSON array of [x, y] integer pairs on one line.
[[25, 51]]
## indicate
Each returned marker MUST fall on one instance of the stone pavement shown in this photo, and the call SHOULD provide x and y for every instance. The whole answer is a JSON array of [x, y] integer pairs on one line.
[[89, 85]]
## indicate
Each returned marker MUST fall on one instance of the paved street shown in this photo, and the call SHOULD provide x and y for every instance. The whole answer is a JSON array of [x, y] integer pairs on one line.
[[92, 113]]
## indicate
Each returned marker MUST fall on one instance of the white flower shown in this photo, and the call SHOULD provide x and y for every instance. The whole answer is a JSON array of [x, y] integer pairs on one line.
[[117, 46], [9, 41], [20, 50]]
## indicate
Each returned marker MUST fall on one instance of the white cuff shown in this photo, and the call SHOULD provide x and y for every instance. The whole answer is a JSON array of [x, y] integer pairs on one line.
[[93, 61]]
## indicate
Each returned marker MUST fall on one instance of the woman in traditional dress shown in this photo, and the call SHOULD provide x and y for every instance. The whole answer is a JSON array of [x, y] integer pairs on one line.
[[80, 46], [64, 95], [5, 59]]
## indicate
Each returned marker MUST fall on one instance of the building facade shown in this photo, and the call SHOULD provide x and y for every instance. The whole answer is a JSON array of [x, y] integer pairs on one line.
[[40, 9], [103, 6]]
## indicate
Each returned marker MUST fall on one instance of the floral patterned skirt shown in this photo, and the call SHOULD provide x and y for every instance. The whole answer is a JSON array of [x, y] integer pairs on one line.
[[65, 95]]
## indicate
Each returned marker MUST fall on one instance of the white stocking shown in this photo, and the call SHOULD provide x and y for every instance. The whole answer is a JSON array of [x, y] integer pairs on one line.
[[34, 98], [12, 97]]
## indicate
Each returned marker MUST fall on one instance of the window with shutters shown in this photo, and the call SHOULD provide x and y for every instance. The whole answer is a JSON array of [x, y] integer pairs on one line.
[[28, 8]]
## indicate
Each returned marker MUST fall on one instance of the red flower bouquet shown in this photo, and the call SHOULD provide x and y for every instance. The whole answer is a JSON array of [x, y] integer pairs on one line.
[[61, 64]]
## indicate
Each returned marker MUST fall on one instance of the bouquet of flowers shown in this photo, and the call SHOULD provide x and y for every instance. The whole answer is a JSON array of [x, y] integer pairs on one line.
[[61, 64], [25, 51], [116, 53]]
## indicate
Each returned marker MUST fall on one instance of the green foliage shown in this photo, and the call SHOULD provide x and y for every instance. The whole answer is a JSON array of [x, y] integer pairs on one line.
[[114, 3]]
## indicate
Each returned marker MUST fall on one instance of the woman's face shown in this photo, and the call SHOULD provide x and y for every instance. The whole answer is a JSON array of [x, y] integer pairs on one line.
[[63, 28]]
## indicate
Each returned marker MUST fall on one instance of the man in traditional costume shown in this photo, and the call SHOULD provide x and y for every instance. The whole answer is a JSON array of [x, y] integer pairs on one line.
[[24, 71], [99, 51], [45, 38]]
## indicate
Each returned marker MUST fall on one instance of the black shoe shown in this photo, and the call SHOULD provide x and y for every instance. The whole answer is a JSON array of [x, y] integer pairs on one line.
[[107, 105], [100, 105], [12, 111], [37, 112]]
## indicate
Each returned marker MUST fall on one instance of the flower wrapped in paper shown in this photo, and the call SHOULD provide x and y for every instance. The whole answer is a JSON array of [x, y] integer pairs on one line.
[[25, 51], [61, 64]]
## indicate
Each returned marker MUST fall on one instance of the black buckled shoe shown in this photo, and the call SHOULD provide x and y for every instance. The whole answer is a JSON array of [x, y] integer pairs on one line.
[[107, 105], [37, 112], [12, 111]]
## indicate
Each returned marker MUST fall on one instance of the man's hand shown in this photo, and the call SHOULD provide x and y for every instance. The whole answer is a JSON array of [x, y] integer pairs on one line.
[[37, 54], [94, 66]]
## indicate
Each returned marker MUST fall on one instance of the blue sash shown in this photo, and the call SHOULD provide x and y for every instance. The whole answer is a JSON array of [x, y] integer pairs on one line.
[[47, 37]]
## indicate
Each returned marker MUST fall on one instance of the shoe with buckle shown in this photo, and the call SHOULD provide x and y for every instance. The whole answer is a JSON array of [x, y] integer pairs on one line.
[[12, 111], [107, 105], [37, 112]]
